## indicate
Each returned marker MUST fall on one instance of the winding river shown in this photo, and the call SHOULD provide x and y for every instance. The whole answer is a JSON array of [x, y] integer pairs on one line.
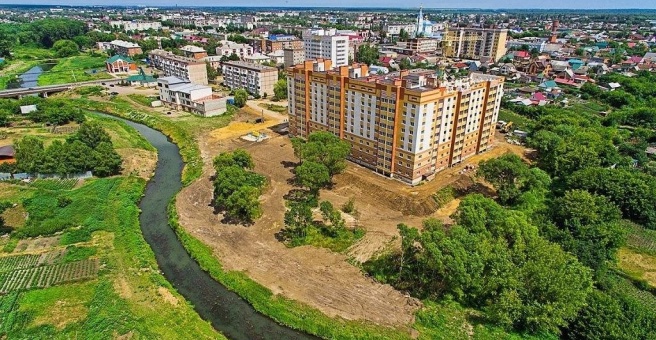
[[226, 311]]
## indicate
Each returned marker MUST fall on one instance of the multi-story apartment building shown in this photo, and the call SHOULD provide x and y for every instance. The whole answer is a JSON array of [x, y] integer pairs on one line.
[[279, 42], [293, 56], [395, 29], [193, 52], [195, 71], [229, 47], [326, 44], [474, 43], [254, 78], [422, 45], [125, 48], [136, 25], [408, 125]]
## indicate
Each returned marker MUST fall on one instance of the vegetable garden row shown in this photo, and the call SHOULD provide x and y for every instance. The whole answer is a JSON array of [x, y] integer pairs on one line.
[[46, 276], [11, 263]]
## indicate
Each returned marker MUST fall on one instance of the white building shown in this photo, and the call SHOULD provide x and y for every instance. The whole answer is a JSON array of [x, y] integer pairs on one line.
[[293, 56], [395, 29], [532, 43], [326, 44], [136, 25], [229, 47], [193, 70], [183, 95]]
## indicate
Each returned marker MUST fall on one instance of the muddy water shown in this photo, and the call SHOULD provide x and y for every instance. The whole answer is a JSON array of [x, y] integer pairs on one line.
[[226, 311]]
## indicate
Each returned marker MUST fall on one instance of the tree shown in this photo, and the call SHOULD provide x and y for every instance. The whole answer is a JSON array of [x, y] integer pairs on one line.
[[244, 204], [280, 89], [241, 96], [403, 35], [238, 157], [323, 148], [587, 226], [5, 118], [312, 175], [106, 161], [511, 176], [65, 48], [29, 153], [297, 219], [212, 73], [367, 54], [91, 134], [405, 64], [332, 216]]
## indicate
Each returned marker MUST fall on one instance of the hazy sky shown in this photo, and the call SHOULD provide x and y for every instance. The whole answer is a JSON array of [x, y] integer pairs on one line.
[[578, 4]]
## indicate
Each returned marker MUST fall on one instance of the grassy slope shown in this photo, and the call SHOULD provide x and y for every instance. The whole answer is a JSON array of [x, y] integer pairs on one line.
[[73, 69], [24, 58], [128, 295]]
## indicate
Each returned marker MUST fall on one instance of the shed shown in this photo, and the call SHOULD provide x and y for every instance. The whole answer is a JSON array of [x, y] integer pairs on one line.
[[25, 109], [7, 154]]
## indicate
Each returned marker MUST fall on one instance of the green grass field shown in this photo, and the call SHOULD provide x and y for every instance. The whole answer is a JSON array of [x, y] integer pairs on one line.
[[141, 99], [74, 69]]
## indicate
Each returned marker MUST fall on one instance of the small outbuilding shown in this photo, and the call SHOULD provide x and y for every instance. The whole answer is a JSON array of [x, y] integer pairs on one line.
[[7, 154]]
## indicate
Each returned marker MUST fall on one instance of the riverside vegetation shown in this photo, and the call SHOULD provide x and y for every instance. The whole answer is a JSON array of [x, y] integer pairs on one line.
[[98, 277]]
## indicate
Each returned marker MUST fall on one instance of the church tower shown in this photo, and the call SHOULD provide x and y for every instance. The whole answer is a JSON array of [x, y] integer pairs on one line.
[[420, 22]]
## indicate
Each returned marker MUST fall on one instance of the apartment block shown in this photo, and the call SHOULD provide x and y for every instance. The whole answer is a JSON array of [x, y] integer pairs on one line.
[[125, 48], [326, 44], [254, 78], [136, 25], [422, 45], [180, 94], [195, 71], [193, 52], [228, 48], [409, 125], [474, 43], [293, 56], [279, 42]]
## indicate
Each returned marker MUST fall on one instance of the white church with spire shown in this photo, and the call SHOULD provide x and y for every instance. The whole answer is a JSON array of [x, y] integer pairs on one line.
[[424, 26]]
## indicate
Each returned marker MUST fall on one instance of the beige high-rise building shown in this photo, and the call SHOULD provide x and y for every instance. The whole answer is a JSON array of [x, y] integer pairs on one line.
[[474, 43], [408, 125], [193, 70]]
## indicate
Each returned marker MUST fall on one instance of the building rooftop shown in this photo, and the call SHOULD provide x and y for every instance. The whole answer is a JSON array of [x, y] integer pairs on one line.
[[192, 49], [124, 44], [119, 57], [250, 66], [170, 55], [188, 87]]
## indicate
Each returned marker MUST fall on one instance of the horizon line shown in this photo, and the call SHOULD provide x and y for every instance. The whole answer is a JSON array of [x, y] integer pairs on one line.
[[334, 7]]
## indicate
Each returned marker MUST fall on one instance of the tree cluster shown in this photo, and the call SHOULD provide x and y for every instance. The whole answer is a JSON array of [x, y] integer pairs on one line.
[[236, 187], [89, 149], [495, 260], [50, 111], [322, 156]]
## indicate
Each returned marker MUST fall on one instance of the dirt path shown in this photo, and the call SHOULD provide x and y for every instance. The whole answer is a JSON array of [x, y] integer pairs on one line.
[[317, 277]]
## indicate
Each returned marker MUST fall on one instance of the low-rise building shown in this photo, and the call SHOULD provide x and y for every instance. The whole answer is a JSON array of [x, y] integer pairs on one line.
[[136, 25], [228, 48], [193, 70], [193, 52], [254, 78], [125, 48], [180, 94], [120, 64], [422, 45], [293, 56]]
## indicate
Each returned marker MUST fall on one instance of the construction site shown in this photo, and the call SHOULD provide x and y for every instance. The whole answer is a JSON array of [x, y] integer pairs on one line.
[[317, 277]]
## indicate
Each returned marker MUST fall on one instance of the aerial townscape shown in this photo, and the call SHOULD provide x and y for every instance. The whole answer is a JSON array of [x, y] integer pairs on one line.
[[411, 172]]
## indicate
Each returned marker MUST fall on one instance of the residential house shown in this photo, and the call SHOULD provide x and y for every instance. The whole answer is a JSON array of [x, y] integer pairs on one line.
[[120, 64], [180, 94]]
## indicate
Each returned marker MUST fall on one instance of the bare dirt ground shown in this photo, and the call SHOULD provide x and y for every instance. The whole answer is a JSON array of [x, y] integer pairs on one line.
[[318, 277], [138, 162]]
